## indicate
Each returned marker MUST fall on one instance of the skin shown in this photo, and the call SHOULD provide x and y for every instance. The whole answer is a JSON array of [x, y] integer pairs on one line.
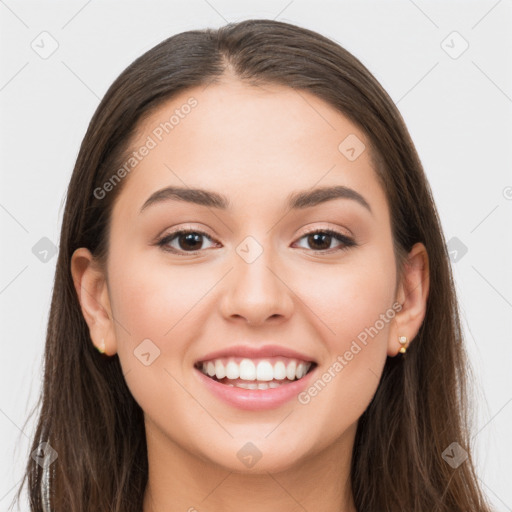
[[255, 145]]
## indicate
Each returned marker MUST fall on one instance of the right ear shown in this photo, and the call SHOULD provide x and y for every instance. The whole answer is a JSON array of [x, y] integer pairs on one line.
[[91, 288]]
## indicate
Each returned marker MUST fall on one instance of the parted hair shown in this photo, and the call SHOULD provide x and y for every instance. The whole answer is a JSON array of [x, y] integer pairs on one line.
[[86, 412]]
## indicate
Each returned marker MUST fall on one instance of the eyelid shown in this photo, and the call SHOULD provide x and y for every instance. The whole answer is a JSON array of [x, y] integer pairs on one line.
[[328, 227], [185, 227]]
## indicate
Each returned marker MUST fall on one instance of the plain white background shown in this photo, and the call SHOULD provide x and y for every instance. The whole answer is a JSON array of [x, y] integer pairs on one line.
[[456, 101]]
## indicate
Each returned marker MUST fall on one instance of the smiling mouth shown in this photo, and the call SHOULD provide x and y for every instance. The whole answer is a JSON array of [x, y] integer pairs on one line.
[[262, 373]]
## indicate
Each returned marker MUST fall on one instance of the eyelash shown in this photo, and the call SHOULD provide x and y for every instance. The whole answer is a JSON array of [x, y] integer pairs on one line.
[[346, 241]]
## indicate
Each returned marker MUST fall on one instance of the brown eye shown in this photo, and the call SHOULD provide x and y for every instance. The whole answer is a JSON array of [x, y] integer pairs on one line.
[[190, 241], [187, 240], [322, 239]]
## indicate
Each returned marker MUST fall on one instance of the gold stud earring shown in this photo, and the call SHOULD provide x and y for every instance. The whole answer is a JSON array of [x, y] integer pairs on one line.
[[101, 348], [403, 342]]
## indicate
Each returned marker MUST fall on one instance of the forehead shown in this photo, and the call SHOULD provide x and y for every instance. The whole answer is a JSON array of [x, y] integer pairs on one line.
[[250, 143]]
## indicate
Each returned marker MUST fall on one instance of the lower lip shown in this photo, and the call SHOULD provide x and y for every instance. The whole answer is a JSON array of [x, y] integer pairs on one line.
[[256, 399]]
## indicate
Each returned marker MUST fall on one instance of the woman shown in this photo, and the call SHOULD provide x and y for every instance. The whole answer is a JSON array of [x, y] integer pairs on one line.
[[253, 305]]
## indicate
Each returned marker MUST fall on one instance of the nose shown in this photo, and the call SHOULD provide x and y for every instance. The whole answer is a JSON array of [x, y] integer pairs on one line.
[[257, 292]]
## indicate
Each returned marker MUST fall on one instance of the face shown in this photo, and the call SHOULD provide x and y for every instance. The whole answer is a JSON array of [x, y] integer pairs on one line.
[[316, 278]]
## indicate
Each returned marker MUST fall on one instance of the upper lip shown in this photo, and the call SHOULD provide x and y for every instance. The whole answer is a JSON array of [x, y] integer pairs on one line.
[[252, 352]]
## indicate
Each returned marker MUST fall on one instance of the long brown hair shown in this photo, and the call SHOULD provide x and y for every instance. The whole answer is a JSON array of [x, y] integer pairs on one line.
[[87, 413]]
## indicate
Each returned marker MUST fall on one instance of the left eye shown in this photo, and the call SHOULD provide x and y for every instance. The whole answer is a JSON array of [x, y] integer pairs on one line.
[[324, 237]]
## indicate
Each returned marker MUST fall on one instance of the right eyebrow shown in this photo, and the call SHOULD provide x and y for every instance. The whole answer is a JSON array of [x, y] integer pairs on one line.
[[190, 195]]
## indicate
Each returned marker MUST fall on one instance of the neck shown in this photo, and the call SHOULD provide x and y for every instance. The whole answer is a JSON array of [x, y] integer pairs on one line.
[[180, 481]]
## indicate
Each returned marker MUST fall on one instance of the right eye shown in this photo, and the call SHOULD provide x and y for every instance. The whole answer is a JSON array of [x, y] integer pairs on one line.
[[188, 241]]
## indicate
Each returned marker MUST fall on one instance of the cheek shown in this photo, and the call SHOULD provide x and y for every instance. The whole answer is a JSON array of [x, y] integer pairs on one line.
[[355, 302], [151, 299], [155, 303], [352, 298]]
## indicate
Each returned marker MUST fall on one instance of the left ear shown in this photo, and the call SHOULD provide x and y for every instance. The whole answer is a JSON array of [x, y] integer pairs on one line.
[[412, 294]]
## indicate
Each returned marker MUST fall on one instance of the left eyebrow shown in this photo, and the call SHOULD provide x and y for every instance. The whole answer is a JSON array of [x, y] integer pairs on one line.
[[295, 201], [309, 198]]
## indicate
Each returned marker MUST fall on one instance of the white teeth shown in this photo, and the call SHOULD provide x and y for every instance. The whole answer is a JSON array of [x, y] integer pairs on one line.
[[265, 371], [262, 370], [253, 385], [279, 371], [299, 372], [232, 370], [247, 370], [290, 370], [220, 372]]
